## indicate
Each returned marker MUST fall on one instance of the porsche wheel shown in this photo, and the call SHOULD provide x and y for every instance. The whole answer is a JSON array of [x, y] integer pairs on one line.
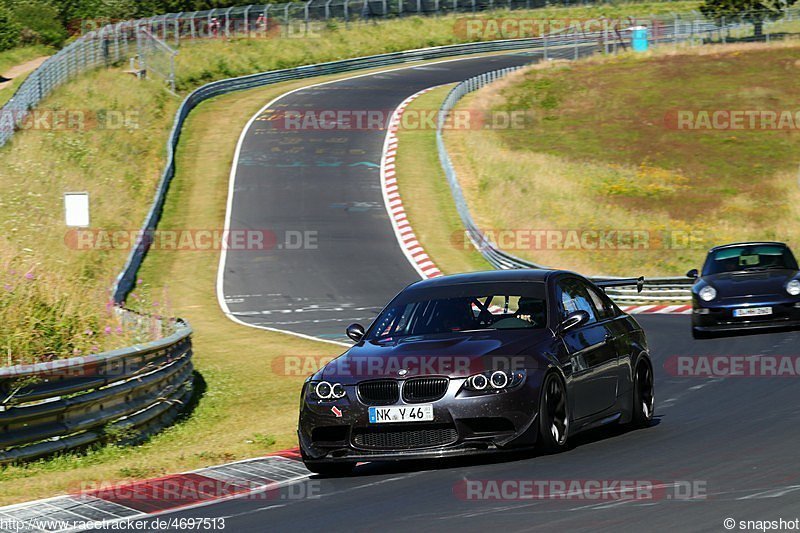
[[553, 415]]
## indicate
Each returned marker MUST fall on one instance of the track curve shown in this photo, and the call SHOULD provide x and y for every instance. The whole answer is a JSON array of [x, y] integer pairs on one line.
[[324, 183]]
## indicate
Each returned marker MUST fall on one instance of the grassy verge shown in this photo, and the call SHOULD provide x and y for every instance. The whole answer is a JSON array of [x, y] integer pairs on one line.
[[16, 58], [426, 194], [601, 151], [118, 162], [336, 41]]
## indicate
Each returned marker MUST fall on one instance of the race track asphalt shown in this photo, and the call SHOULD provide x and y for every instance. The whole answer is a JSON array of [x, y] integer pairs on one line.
[[315, 192], [720, 448]]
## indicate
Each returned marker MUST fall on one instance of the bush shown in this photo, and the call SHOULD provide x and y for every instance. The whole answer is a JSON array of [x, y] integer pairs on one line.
[[40, 22], [9, 30]]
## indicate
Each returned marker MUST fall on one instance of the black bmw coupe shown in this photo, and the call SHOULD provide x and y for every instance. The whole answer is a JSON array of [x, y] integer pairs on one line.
[[750, 285], [475, 363]]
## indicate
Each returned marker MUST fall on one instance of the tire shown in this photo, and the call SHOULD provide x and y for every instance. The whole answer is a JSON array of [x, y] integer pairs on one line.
[[643, 395], [553, 415], [331, 469]]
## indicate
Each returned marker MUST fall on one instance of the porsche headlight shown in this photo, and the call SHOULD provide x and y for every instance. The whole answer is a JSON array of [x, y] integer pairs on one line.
[[793, 287], [495, 381], [325, 391], [708, 293]]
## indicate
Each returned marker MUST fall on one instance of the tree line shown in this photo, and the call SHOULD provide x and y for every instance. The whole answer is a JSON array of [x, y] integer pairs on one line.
[[53, 22]]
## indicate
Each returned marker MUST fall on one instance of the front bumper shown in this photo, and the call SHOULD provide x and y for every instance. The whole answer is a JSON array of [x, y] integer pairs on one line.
[[714, 316], [464, 424]]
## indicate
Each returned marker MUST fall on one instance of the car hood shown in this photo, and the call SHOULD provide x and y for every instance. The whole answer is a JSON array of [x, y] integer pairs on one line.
[[453, 355], [765, 282]]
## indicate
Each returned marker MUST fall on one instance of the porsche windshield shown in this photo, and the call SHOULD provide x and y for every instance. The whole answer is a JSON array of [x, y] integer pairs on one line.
[[749, 258], [463, 308]]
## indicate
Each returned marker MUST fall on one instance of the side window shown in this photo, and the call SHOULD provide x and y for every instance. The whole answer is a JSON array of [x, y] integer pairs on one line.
[[575, 298], [603, 306]]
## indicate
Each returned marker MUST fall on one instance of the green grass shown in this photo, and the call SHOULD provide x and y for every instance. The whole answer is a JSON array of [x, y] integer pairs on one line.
[[598, 152], [226, 58], [248, 408], [17, 56], [424, 190], [14, 57]]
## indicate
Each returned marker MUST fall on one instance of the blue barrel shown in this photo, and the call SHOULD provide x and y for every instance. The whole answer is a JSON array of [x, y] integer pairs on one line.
[[639, 39]]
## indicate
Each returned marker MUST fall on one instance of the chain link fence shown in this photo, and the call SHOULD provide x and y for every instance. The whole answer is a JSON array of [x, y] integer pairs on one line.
[[153, 40]]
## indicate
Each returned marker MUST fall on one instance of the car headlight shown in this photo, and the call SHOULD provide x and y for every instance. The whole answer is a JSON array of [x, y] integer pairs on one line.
[[325, 391], [793, 287], [708, 293], [494, 381]]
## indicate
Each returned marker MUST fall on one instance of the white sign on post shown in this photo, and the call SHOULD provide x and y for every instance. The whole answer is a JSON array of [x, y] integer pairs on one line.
[[76, 208]]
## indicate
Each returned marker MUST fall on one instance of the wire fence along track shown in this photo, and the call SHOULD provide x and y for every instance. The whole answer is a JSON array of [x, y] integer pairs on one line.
[[151, 39], [117, 396]]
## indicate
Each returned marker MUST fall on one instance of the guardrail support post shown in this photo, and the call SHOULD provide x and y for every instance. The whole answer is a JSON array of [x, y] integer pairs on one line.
[[544, 42], [575, 42]]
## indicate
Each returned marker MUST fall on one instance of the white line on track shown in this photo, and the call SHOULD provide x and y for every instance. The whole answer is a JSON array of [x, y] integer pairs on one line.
[[232, 184]]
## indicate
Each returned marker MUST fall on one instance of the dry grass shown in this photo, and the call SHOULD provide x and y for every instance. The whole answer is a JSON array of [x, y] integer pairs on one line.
[[426, 194], [596, 155]]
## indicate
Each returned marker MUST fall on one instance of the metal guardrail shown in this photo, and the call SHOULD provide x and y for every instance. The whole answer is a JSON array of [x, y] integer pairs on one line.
[[120, 395], [127, 278]]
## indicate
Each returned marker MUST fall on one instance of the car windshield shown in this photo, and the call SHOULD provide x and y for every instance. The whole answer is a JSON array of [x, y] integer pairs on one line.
[[749, 258], [463, 308]]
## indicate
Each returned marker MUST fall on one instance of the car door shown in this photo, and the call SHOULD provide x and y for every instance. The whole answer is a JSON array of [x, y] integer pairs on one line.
[[590, 348]]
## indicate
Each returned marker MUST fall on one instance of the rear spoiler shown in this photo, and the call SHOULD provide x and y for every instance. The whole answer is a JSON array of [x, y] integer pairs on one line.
[[606, 283]]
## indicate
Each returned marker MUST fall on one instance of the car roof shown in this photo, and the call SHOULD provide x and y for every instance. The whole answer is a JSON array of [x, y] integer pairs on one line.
[[520, 274], [754, 243]]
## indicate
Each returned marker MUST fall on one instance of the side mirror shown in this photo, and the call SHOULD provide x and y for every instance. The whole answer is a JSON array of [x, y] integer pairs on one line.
[[573, 320], [693, 273], [355, 332]]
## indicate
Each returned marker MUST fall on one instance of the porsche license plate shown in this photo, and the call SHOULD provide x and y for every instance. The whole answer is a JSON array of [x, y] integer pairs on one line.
[[752, 311], [405, 413]]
